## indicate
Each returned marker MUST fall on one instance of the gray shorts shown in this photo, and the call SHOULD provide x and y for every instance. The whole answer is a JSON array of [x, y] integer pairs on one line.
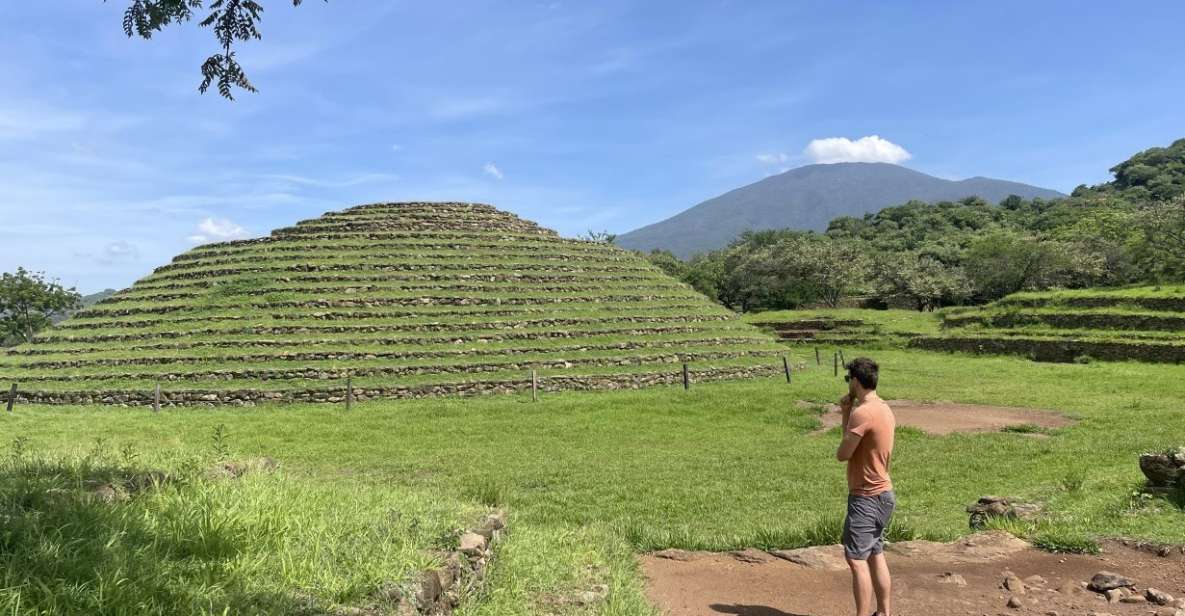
[[864, 528]]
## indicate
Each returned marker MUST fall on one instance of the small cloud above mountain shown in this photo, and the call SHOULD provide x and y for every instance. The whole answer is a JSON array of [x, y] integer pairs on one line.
[[118, 252], [775, 158], [493, 171], [870, 149], [218, 230]]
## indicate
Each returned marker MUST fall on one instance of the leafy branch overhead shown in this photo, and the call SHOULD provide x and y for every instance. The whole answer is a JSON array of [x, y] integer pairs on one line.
[[231, 20]]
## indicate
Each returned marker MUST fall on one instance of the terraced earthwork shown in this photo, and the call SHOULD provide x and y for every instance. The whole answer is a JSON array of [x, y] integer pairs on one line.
[[405, 300], [1141, 324]]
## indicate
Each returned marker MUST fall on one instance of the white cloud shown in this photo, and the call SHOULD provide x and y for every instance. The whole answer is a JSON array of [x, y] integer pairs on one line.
[[118, 252], [776, 158], [217, 230], [871, 149], [493, 171]]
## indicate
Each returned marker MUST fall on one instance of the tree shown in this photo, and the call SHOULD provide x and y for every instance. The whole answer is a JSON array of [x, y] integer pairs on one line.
[[667, 262], [796, 270], [920, 279], [1005, 262], [231, 20], [600, 237], [29, 302]]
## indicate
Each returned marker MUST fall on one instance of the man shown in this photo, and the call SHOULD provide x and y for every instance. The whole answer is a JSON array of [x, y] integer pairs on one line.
[[867, 447]]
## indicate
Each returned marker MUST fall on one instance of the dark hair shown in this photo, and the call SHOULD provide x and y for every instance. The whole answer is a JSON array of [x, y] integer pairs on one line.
[[865, 371]]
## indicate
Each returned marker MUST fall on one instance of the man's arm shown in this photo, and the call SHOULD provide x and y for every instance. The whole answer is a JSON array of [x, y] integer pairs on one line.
[[853, 431], [848, 446]]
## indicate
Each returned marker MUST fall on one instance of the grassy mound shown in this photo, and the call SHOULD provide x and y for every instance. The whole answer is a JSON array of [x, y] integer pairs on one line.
[[1138, 323], [406, 300], [846, 326]]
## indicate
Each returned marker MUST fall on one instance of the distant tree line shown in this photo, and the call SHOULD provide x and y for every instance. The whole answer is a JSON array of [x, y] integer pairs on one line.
[[1129, 230]]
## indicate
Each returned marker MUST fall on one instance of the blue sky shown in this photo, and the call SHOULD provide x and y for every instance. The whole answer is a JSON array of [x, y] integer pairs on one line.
[[579, 115]]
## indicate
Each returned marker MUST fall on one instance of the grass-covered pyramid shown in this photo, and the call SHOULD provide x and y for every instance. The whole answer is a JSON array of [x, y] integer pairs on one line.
[[408, 300], [1134, 323]]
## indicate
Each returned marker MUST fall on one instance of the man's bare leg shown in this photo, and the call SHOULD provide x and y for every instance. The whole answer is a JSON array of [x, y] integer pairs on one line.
[[861, 586], [882, 584]]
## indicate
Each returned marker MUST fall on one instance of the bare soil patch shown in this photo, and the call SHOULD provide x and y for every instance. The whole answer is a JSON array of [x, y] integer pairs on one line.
[[947, 417], [963, 578]]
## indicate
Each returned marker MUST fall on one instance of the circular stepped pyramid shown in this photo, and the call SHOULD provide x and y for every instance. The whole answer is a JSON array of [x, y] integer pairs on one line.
[[405, 299]]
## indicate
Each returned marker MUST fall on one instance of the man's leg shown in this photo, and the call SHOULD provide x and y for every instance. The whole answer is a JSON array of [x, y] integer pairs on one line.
[[861, 586], [878, 566]]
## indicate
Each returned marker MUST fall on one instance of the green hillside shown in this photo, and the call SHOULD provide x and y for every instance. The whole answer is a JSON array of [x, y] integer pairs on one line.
[[1135, 323], [407, 300]]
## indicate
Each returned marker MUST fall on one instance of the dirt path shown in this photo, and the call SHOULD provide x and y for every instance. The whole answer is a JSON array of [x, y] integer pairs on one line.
[[926, 579], [947, 417]]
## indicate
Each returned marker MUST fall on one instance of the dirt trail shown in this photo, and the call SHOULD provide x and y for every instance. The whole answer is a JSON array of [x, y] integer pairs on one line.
[[947, 417], [926, 580]]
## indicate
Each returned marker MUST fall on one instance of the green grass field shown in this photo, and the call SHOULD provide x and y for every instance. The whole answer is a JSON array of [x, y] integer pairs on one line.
[[589, 479]]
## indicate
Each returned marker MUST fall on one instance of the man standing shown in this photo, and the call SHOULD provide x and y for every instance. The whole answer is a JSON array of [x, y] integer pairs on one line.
[[867, 447]]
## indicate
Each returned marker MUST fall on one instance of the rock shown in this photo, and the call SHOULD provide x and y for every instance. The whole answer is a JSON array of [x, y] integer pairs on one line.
[[496, 521], [106, 493], [472, 544], [1133, 599], [989, 507], [1114, 595], [1105, 580], [751, 556], [595, 595], [1035, 580], [1164, 469], [952, 578], [1015, 603], [429, 592], [976, 548], [824, 557], [1069, 588], [674, 554], [1159, 598], [1013, 583]]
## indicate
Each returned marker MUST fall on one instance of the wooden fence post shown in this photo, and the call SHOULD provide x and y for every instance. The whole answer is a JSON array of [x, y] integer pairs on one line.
[[835, 363], [534, 385], [349, 392], [786, 366], [842, 361], [11, 397], [156, 399], [818, 362], [686, 377]]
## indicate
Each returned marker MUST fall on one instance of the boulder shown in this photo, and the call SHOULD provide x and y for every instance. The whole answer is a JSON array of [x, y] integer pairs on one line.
[[1164, 469], [1013, 583], [472, 544], [1158, 597], [1106, 580], [989, 507], [823, 557]]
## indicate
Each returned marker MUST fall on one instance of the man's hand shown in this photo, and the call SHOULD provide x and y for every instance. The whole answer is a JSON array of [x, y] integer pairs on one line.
[[845, 407]]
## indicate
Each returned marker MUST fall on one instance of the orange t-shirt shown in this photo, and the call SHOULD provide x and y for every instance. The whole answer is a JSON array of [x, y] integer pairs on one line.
[[868, 468]]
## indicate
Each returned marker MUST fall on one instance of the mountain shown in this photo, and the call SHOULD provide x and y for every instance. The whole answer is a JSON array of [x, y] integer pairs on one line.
[[809, 198], [394, 300]]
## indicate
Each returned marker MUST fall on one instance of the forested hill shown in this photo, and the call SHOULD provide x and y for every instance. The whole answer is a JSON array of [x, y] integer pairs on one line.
[[1130, 230], [808, 198]]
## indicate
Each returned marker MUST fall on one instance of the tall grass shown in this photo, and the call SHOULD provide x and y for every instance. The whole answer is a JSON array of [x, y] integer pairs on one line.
[[112, 531]]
